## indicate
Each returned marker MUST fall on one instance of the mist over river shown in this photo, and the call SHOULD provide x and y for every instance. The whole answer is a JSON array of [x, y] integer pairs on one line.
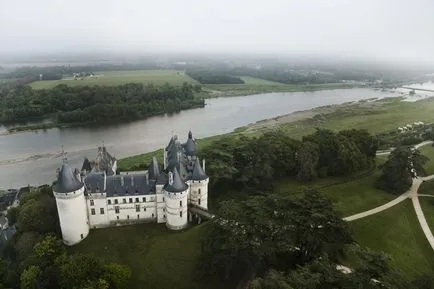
[[32, 157]]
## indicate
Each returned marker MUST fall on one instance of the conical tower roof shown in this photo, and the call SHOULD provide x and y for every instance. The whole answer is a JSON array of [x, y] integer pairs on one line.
[[198, 173], [66, 181], [190, 145], [153, 169], [86, 165], [177, 184]]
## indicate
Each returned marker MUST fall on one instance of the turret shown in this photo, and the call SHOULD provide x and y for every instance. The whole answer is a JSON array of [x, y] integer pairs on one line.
[[153, 169], [71, 206], [176, 198], [190, 145], [199, 186]]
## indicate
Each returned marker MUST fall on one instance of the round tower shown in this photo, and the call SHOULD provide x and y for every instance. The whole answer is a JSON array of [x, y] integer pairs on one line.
[[71, 206], [176, 197], [199, 186]]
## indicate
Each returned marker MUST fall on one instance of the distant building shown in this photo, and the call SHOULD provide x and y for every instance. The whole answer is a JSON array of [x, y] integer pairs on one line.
[[97, 197]]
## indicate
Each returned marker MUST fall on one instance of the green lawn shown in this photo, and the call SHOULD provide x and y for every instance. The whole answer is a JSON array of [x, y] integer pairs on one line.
[[376, 117], [426, 188], [349, 195], [159, 258], [428, 151], [397, 232], [427, 204], [258, 81], [157, 77]]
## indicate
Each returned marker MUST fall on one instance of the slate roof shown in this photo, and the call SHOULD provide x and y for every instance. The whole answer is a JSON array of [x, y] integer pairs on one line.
[[94, 182], [177, 184], [134, 184], [162, 179], [86, 165], [198, 173], [104, 161], [153, 169], [66, 181], [190, 145]]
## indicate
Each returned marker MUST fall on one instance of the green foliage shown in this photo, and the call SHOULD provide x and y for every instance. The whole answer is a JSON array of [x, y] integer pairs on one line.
[[117, 275], [213, 77], [12, 215], [402, 165], [29, 278], [271, 230], [95, 103]]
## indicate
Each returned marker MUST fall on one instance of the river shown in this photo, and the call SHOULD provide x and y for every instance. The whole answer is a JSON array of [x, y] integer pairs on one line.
[[32, 157]]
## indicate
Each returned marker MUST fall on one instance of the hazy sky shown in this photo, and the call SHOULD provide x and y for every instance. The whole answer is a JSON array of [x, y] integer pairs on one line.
[[373, 28]]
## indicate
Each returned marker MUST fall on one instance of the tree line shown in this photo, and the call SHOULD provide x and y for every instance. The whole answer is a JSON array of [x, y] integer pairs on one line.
[[205, 76], [35, 257], [255, 162], [95, 103]]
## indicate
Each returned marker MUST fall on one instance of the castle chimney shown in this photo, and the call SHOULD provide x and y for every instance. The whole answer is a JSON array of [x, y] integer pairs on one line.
[[203, 165]]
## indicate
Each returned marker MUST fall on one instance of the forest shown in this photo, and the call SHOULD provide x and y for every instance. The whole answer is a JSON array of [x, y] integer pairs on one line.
[[36, 258], [81, 104], [213, 77]]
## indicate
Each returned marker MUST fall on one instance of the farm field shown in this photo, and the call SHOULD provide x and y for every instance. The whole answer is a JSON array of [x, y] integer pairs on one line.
[[157, 77]]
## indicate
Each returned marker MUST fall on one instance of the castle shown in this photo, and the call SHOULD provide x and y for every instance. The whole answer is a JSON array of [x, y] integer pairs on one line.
[[97, 197]]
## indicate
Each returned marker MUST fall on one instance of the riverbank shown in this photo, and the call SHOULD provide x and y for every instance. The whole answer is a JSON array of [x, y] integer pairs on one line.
[[374, 115]]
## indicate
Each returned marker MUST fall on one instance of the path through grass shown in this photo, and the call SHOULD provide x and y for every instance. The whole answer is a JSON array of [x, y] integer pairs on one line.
[[397, 232]]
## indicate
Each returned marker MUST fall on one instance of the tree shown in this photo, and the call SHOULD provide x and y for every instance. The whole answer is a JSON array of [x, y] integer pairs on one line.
[[117, 275], [29, 278], [402, 165], [12, 215], [307, 159], [272, 280], [270, 230]]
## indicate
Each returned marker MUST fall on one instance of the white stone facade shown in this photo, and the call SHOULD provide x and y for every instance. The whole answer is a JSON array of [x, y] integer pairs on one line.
[[73, 217]]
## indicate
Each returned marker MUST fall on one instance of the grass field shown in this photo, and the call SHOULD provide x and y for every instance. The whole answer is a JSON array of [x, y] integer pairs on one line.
[[159, 258], [349, 196], [428, 151], [375, 117], [426, 188], [427, 204], [396, 232], [157, 77]]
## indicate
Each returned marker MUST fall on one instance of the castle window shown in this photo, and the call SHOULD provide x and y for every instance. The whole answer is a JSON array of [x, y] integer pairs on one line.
[[128, 217], [180, 214], [164, 209], [124, 201], [117, 217], [163, 199], [109, 202], [137, 200], [198, 191], [116, 201], [144, 199], [92, 211], [138, 216], [144, 209], [164, 216], [91, 202], [198, 201], [180, 203], [81, 236], [101, 211], [152, 214], [117, 209], [131, 200], [137, 208]]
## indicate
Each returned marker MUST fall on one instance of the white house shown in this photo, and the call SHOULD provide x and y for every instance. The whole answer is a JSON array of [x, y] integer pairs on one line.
[[97, 197]]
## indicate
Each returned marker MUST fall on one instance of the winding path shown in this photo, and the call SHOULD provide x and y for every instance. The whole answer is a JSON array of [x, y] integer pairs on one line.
[[412, 194]]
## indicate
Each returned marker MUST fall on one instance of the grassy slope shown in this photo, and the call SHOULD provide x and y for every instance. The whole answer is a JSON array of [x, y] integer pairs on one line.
[[427, 204], [397, 232], [429, 152], [158, 258], [157, 77]]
